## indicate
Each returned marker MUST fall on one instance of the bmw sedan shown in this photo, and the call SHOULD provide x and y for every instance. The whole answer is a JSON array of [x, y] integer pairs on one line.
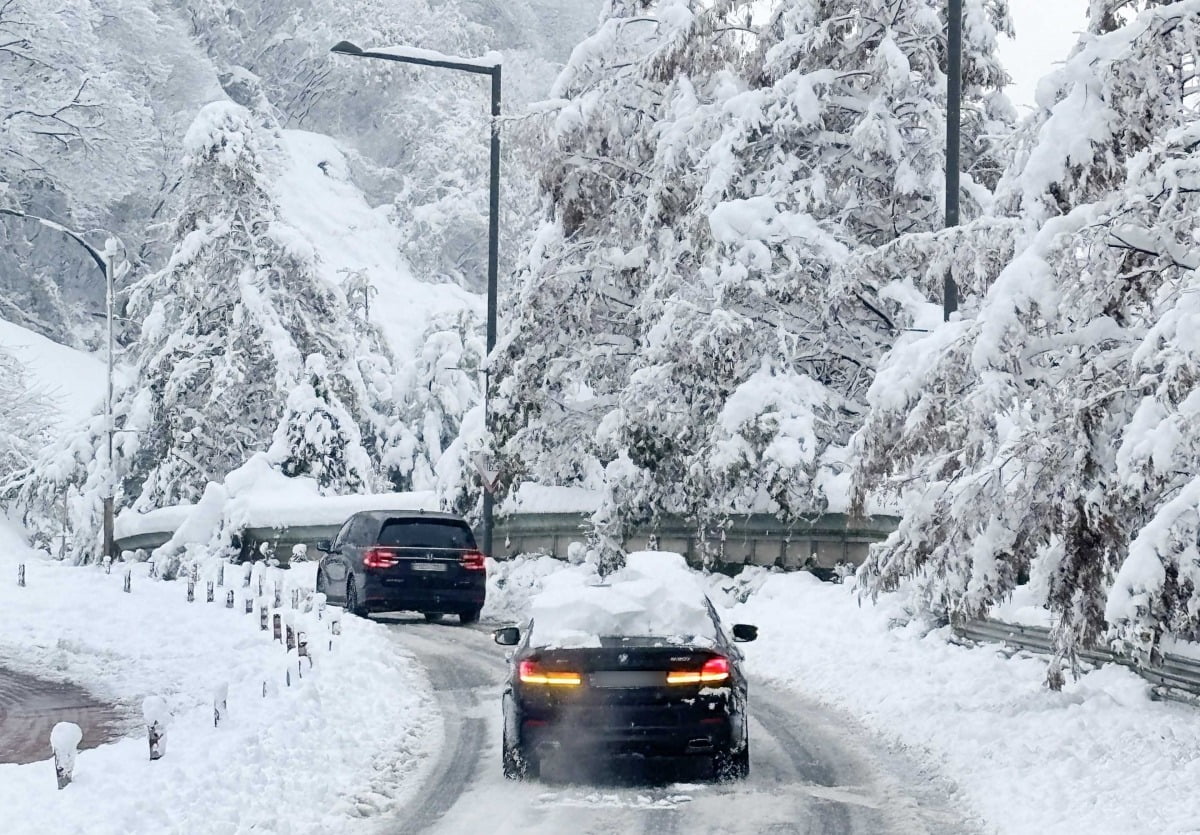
[[679, 692]]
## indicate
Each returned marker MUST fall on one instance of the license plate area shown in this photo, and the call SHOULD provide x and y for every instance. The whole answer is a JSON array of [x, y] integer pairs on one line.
[[627, 679], [429, 567]]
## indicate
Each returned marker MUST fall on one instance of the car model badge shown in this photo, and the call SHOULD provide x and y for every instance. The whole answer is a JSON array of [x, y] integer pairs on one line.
[[623, 658], [429, 556]]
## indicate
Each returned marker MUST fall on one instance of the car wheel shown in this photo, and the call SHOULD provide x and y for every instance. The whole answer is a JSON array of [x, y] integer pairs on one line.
[[353, 606], [518, 764], [468, 615], [432, 617], [733, 765]]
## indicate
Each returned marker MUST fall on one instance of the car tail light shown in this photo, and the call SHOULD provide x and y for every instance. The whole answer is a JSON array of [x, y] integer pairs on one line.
[[474, 561], [715, 670], [379, 558], [530, 672]]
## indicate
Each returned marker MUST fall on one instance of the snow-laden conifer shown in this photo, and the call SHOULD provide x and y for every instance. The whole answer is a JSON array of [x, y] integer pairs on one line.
[[1042, 436]]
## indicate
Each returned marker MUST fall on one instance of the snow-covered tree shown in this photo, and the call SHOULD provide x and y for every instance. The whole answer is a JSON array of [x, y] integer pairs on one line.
[[25, 421], [711, 179], [1041, 435]]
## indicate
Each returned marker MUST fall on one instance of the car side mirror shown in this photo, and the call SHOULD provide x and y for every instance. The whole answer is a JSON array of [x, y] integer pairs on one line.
[[744, 632], [509, 636], [324, 546]]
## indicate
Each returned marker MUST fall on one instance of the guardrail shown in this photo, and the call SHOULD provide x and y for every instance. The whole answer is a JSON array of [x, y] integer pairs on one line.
[[818, 544], [1174, 676]]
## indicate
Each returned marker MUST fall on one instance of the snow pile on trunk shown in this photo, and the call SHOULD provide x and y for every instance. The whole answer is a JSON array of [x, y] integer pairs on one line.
[[655, 594]]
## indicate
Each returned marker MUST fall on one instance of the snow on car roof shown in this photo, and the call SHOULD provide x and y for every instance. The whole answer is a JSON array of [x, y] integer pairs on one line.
[[654, 595]]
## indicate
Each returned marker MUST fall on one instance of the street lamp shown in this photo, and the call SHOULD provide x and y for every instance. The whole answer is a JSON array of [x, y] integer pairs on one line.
[[487, 65], [104, 260], [953, 118]]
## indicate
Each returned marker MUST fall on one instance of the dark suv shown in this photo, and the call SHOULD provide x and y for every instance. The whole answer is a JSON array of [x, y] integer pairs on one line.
[[384, 561]]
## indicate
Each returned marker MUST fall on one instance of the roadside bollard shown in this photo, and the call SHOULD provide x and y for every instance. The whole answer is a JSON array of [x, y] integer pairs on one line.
[[64, 741], [221, 574], [278, 596], [229, 599], [249, 605], [291, 638], [208, 594], [295, 598], [128, 580], [220, 703], [108, 565], [246, 576], [154, 712], [277, 632], [302, 647], [262, 618], [260, 585], [21, 575], [191, 590]]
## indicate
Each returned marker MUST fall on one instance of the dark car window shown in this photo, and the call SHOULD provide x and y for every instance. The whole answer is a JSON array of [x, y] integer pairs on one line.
[[340, 539], [426, 533]]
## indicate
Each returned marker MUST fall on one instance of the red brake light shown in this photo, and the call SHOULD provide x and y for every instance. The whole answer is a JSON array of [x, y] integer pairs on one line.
[[715, 670], [474, 561], [530, 672], [379, 558]]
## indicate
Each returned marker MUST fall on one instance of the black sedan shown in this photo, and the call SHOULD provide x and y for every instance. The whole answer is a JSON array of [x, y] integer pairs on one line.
[[647, 696]]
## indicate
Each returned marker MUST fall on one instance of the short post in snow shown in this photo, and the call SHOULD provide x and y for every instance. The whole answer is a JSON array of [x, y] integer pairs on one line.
[[64, 741], [278, 596], [21, 575], [260, 585], [302, 647], [246, 576], [208, 594], [154, 712], [262, 618], [220, 703], [291, 638], [128, 581], [191, 590], [221, 574], [249, 605], [107, 564], [277, 631], [229, 599], [295, 598]]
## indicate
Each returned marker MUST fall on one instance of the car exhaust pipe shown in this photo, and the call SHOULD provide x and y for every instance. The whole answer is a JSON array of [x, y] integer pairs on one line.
[[701, 744]]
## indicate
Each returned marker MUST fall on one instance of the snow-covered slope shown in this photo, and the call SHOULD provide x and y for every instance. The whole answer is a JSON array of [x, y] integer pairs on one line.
[[73, 380]]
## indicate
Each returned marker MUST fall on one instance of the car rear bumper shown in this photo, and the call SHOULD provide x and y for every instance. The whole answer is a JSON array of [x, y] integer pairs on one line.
[[685, 737], [380, 596]]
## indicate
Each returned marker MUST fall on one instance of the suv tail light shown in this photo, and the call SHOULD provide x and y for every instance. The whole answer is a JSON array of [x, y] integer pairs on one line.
[[530, 672], [714, 670], [474, 561], [377, 558]]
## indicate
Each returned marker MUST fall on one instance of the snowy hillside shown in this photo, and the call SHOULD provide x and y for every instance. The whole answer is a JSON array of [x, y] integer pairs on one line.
[[72, 380]]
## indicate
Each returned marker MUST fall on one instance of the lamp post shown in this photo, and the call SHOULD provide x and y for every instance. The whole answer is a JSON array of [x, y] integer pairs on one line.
[[953, 120], [488, 65], [104, 260]]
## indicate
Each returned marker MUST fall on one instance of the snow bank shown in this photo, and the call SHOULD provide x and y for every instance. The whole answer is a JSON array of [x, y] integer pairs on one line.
[[537, 498], [348, 740], [1098, 757], [655, 594]]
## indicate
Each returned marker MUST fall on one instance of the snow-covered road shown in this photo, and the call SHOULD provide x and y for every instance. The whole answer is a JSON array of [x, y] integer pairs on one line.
[[812, 771]]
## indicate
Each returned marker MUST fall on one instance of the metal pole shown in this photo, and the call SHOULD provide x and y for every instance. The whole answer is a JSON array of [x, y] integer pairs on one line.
[[108, 412], [953, 124], [493, 268]]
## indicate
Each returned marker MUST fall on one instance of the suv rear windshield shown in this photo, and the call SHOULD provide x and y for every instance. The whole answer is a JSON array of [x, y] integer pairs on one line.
[[426, 533]]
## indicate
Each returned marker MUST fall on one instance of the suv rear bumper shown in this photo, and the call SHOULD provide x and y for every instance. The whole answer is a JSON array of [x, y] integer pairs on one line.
[[461, 595]]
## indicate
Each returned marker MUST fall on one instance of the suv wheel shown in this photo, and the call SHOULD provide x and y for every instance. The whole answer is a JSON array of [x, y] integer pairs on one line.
[[353, 606], [468, 615]]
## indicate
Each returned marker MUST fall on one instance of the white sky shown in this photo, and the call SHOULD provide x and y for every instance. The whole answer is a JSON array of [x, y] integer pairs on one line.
[[1046, 31]]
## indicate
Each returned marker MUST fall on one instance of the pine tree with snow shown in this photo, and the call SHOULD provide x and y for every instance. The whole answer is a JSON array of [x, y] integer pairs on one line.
[[1047, 435]]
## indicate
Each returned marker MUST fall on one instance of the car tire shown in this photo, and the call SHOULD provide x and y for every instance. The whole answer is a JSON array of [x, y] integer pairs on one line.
[[353, 606], [518, 763], [468, 616], [733, 765], [432, 617]]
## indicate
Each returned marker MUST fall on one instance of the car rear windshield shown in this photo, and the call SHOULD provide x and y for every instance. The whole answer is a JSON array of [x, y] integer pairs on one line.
[[425, 533]]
